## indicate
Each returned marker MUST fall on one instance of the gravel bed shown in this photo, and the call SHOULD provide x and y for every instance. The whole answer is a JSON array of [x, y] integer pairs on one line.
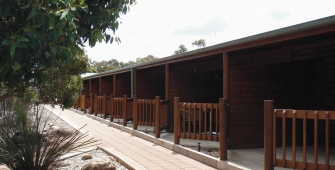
[[76, 162]]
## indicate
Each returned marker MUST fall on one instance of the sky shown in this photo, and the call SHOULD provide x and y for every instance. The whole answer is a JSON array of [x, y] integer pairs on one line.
[[158, 27]]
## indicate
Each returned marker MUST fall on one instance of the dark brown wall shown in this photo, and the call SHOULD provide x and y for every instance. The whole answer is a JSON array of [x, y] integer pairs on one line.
[[107, 85], [95, 86], [298, 74], [86, 87], [197, 80], [151, 83], [123, 86]]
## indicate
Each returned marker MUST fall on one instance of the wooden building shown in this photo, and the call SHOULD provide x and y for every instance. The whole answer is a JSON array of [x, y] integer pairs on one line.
[[295, 66]]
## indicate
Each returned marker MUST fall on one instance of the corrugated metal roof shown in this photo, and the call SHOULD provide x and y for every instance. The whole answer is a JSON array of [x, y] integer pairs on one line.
[[279, 32]]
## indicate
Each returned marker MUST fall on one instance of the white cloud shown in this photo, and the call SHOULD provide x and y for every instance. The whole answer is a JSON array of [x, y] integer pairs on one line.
[[278, 14], [212, 26]]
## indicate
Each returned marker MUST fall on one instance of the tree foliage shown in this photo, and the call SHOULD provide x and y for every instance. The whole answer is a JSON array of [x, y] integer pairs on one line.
[[114, 64], [200, 43], [36, 35], [181, 49]]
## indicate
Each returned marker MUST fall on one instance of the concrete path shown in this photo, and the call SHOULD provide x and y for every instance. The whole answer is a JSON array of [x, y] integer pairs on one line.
[[136, 152]]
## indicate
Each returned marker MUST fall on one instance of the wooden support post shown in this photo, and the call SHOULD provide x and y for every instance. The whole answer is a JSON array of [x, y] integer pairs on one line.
[[114, 84], [135, 117], [176, 120], [268, 134], [167, 82], [223, 128], [91, 103], [124, 110], [135, 82], [104, 106], [157, 116], [111, 108], [100, 82]]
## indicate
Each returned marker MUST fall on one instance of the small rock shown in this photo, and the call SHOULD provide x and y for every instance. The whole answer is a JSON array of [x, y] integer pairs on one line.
[[54, 127], [45, 129], [86, 156], [98, 165]]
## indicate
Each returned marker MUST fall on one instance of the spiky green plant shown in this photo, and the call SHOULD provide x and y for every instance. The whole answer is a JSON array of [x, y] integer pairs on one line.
[[22, 144]]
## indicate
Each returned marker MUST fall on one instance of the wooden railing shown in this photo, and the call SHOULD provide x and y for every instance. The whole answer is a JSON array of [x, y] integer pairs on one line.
[[82, 102], [201, 121], [121, 108], [150, 113], [270, 127]]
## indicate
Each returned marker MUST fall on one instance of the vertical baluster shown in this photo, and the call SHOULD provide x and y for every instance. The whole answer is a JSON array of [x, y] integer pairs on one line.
[[294, 129], [316, 140], [200, 119], [189, 119], [211, 122], [327, 141], [194, 118], [217, 121], [274, 148], [284, 138], [184, 117], [205, 112], [304, 150]]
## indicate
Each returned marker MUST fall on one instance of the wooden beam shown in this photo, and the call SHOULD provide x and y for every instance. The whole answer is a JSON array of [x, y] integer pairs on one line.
[[135, 81], [275, 39], [167, 82]]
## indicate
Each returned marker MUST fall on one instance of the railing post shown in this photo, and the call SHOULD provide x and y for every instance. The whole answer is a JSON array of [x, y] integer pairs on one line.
[[91, 104], [157, 116], [95, 104], [104, 106], [176, 120], [135, 112], [111, 108], [268, 134], [124, 110], [84, 101], [223, 129]]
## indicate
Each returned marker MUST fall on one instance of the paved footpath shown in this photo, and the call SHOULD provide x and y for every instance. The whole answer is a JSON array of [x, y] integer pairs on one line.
[[138, 153]]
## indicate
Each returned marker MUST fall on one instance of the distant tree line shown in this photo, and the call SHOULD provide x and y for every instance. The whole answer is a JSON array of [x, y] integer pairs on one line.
[[182, 48], [102, 66]]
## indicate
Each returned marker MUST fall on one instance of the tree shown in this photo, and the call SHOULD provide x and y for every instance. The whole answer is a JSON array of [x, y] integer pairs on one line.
[[114, 64], [181, 49], [200, 43], [47, 34]]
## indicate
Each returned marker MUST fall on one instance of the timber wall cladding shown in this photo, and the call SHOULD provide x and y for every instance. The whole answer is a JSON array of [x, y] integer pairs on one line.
[[107, 85], [302, 79], [199, 80], [123, 86], [151, 83], [95, 86]]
